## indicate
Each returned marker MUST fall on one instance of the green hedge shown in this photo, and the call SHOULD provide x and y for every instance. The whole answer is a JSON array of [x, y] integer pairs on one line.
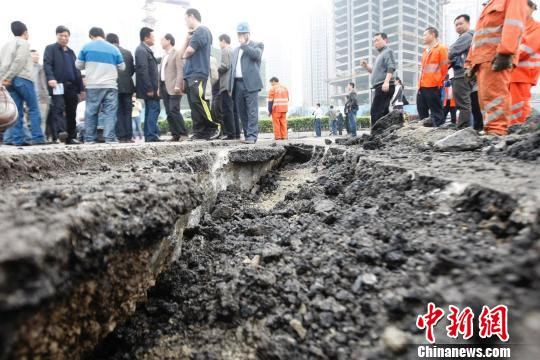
[[298, 124]]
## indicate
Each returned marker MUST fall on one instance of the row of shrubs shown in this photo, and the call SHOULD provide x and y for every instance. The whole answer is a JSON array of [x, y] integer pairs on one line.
[[298, 124]]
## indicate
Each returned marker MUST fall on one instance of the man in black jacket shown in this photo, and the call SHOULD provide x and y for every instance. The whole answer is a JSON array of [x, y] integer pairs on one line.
[[65, 84], [457, 53], [351, 108], [146, 69], [126, 89]]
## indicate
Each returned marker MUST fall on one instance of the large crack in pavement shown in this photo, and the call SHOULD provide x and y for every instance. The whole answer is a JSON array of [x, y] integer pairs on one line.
[[340, 268]]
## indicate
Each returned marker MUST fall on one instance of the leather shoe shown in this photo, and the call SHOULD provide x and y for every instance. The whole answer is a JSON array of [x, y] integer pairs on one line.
[[73, 142]]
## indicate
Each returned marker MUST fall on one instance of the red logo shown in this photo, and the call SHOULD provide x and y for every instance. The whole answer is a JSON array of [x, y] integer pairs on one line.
[[490, 323], [494, 322], [429, 320]]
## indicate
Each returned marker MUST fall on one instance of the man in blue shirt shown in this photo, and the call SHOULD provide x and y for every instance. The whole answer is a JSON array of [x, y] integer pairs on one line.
[[102, 62], [196, 72]]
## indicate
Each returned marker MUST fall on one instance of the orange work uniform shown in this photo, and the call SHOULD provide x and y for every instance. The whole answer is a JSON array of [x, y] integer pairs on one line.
[[526, 74], [499, 30], [432, 75], [278, 104]]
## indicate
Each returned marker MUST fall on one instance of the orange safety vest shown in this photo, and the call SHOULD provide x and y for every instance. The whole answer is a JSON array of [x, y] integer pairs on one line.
[[528, 67], [449, 95], [498, 31], [434, 66], [279, 95]]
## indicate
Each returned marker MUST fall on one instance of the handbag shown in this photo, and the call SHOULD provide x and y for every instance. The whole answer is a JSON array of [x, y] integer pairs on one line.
[[8, 109]]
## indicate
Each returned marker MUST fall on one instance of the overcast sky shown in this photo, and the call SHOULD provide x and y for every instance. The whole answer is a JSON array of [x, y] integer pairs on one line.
[[280, 24]]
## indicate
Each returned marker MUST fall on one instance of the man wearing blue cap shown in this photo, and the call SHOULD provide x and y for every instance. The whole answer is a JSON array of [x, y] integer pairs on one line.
[[246, 81]]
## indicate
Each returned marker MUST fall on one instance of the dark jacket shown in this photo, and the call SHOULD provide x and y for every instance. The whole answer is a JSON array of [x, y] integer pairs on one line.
[[125, 77], [458, 51], [146, 70], [54, 64], [251, 66], [352, 102]]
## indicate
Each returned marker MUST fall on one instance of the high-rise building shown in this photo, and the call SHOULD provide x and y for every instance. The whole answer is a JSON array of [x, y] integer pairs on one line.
[[355, 24], [318, 58]]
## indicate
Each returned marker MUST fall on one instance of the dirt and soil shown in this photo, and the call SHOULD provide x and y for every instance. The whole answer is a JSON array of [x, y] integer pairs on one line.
[[340, 250], [331, 256]]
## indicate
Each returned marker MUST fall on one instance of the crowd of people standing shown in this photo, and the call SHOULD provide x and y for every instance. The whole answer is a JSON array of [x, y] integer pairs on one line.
[[106, 80]]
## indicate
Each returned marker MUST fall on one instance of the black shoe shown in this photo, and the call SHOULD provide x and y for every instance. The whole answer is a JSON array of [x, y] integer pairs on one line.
[[154, 140], [427, 122], [63, 137], [100, 138], [213, 136], [73, 142], [228, 138]]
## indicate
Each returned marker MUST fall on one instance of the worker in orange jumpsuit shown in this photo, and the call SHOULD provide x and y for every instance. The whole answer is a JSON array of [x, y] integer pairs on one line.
[[494, 52], [433, 73], [525, 75], [278, 106], [449, 102]]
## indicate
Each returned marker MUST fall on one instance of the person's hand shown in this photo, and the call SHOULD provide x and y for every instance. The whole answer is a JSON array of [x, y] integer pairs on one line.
[[502, 62], [470, 72], [364, 64], [386, 86], [177, 90], [6, 82], [150, 94], [53, 83]]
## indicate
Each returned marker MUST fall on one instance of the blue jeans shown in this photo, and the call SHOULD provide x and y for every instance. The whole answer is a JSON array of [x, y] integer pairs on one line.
[[318, 127], [105, 100], [352, 122], [137, 131], [333, 126], [23, 91], [151, 114]]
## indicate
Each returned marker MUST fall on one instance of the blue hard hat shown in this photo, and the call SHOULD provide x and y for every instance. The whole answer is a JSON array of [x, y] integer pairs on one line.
[[243, 27]]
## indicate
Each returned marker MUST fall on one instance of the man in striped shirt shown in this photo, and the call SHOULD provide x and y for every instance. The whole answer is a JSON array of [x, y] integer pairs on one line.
[[101, 61]]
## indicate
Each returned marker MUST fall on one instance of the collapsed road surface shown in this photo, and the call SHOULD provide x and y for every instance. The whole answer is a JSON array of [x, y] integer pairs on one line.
[[295, 251]]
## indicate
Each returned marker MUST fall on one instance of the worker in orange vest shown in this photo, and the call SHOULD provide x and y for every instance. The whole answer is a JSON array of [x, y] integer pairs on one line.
[[494, 52], [449, 102], [278, 106], [433, 73], [526, 74]]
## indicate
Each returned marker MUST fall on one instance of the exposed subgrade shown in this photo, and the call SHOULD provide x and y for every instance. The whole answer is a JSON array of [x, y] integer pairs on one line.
[[334, 256]]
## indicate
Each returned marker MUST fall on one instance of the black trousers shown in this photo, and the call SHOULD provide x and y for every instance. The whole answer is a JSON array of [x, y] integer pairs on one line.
[[452, 110], [477, 112], [124, 123], [380, 106], [64, 112], [429, 104], [174, 116], [229, 122], [203, 126]]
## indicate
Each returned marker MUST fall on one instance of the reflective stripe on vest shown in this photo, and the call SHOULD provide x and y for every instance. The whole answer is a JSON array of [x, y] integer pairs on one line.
[[517, 105], [431, 68], [490, 30], [529, 64], [515, 22], [516, 116], [491, 40]]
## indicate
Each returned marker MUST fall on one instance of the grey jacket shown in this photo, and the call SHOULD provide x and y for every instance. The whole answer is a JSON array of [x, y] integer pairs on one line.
[[225, 71], [16, 60], [384, 64], [458, 51], [251, 66]]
